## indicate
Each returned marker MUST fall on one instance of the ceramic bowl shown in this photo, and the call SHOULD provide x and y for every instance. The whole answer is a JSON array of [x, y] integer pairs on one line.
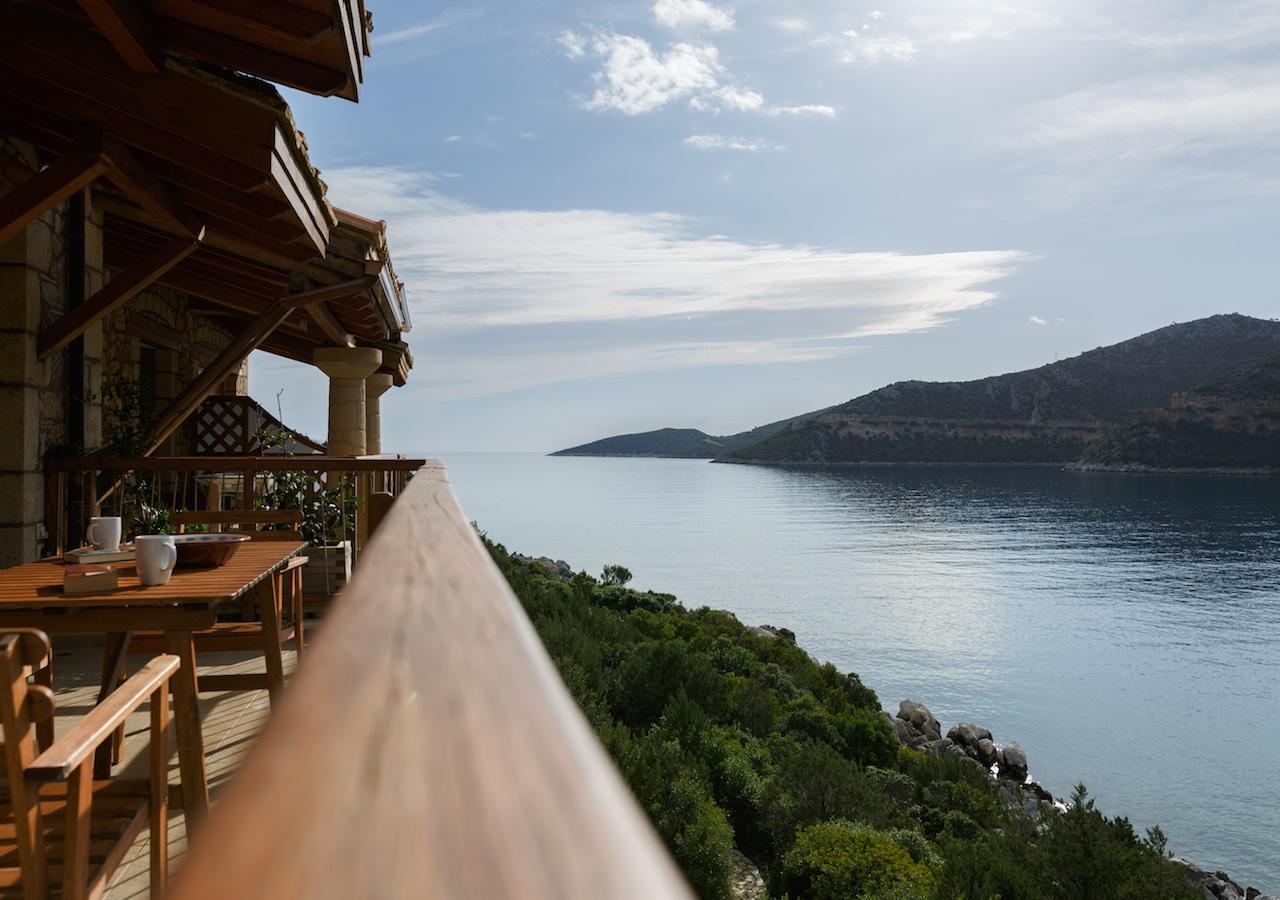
[[206, 551]]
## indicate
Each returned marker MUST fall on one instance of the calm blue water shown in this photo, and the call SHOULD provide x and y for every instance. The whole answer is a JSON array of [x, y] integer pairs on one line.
[[1122, 628]]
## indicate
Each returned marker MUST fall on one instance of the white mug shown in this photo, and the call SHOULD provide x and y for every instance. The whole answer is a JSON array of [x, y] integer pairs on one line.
[[104, 532], [155, 556]]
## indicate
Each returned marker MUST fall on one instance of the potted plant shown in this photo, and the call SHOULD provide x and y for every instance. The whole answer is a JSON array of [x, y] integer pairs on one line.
[[328, 515]]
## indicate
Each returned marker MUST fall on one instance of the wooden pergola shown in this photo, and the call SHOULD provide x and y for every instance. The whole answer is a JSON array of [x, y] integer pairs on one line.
[[202, 175], [317, 46]]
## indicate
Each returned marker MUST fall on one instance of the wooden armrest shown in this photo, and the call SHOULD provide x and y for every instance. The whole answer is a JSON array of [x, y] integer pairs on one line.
[[78, 744], [296, 563]]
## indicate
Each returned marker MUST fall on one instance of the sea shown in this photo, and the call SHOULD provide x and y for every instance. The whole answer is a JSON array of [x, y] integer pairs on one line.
[[1123, 628]]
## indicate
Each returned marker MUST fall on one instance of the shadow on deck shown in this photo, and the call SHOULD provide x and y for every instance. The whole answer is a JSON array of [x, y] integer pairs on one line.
[[231, 721]]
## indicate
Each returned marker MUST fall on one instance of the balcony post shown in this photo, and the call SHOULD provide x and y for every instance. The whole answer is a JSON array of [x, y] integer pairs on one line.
[[375, 386], [347, 368]]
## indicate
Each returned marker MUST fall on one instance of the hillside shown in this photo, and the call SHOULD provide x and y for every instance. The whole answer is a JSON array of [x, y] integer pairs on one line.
[[1231, 422], [676, 443], [1045, 415]]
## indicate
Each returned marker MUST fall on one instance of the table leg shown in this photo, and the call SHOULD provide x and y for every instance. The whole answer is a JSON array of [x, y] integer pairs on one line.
[[270, 601], [186, 718], [113, 664]]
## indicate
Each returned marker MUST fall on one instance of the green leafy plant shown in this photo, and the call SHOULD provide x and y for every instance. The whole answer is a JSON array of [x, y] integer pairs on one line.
[[327, 512], [141, 515]]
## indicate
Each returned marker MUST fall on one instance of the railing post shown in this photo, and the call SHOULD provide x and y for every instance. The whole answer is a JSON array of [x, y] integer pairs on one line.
[[249, 487]]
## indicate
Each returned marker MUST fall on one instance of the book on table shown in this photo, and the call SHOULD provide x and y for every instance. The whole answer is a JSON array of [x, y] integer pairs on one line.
[[88, 555], [89, 579]]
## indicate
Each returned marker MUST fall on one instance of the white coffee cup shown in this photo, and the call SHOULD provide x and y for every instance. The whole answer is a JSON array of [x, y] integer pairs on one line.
[[104, 532], [155, 556]]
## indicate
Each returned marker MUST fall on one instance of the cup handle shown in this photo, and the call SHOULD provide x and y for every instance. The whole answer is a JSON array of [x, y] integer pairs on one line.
[[88, 534], [173, 557]]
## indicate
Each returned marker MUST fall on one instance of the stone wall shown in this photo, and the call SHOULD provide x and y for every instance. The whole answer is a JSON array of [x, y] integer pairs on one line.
[[33, 394], [184, 343]]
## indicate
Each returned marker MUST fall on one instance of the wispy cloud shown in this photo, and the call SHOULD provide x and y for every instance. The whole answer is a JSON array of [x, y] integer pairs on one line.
[[873, 48], [1036, 320], [1187, 113], [725, 142], [575, 45], [805, 109], [412, 32], [585, 293], [681, 14]]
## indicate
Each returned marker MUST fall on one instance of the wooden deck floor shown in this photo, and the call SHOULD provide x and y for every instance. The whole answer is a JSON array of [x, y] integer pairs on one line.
[[231, 721]]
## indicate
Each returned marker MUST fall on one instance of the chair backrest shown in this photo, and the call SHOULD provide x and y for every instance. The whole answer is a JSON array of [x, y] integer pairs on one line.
[[286, 524], [22, 705]]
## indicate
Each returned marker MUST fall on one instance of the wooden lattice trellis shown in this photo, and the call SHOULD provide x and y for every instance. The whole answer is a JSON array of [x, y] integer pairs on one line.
[[230, 425]]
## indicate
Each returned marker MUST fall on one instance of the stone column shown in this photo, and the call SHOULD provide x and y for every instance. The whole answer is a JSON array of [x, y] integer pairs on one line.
[[347, 368], [375, 386]]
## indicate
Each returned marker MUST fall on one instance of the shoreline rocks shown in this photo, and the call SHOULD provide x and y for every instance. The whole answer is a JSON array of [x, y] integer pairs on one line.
[[916, 728]]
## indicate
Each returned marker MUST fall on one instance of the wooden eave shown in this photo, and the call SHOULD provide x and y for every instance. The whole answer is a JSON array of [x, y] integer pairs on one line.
[[317, 46], [226, 149], [233, 289]]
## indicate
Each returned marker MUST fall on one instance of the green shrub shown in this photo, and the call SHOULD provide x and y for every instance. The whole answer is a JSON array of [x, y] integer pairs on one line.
[[842, 860]]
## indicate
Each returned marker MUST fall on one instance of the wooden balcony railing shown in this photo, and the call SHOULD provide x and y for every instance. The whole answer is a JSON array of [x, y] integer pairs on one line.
[[78, 488], [428, 749]]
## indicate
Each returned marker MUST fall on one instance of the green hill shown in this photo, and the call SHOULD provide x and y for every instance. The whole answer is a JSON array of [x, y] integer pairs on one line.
[[1047, 415], [1230, 422], [675, 443]]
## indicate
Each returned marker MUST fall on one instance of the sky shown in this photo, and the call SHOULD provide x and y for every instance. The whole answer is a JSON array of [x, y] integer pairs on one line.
[[622, 215]]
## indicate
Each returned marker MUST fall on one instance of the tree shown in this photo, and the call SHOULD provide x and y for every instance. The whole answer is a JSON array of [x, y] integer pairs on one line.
[[616, 575]]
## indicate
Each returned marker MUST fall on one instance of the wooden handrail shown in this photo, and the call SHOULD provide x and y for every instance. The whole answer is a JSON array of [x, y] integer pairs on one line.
[[427, 748], [233, 464]]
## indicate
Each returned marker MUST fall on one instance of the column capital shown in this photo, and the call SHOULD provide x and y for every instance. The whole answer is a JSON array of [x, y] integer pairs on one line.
[[377, 384], [347, 362]]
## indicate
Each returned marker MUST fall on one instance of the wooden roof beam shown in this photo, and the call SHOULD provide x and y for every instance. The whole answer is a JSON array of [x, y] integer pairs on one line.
[[117, 292], [125, 26], [273, 15], [46, 189], [329, 324], [130, 176], [212, 47]]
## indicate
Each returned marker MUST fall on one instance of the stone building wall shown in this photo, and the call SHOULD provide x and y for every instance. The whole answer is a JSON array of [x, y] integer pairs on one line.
[[184, 343], [33, 394]]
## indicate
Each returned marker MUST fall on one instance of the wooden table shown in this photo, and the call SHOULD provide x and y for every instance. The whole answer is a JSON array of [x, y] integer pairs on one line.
[[31, 596]]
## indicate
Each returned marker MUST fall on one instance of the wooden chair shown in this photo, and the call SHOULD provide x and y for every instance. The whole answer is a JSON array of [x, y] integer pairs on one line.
[[64, 833]]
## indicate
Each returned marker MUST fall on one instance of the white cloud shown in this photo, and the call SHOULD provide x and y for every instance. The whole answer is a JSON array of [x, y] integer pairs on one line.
[[1036, 320], [453, 139], [806, 109], [736, 98], [575, 45], [634, 79], [870, 48], [508, 298], [725, 142], [1188, 114], [680, 14], [793, 25]]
